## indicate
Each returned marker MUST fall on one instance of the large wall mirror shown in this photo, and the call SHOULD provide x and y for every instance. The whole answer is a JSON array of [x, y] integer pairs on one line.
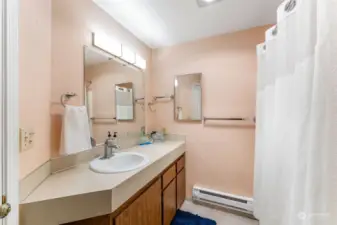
[[112, 93], [188, 98]]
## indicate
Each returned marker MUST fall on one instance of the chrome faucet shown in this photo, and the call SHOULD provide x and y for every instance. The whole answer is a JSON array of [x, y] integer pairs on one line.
[[110, 146]]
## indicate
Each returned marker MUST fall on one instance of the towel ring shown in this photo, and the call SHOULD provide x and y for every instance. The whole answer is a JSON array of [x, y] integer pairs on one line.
[[66, 97]]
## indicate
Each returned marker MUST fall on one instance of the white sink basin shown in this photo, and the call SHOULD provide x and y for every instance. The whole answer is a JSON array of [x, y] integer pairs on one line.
[[120, 162]]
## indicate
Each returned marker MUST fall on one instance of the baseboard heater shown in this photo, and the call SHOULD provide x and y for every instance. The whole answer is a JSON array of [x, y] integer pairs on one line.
[[224, 200]]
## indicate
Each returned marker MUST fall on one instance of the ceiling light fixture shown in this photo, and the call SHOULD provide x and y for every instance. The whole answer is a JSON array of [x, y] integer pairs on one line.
[[140, 62], [203, 3], [128, 55]]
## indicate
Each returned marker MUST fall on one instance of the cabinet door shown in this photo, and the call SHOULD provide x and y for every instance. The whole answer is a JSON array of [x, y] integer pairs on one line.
[[101, 220], [169, 202], [145, 210], [181, 188]]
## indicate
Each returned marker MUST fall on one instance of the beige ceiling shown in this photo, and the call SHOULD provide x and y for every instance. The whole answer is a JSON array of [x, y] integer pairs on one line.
[[161, 23]]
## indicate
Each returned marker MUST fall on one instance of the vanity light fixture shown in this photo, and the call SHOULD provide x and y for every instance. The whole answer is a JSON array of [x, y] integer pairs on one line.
[[204, 3], [113, 47], [128, 55], [176, 84], [107, 44], [140, 62]]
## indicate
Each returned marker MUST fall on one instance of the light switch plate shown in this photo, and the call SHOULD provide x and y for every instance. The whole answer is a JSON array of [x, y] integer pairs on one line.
[[26, 139]]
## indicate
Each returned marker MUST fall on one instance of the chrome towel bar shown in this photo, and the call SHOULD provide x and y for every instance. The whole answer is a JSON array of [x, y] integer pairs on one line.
[[139, 99], [103, 118], [228, 119], [66, 97], [155, 98]]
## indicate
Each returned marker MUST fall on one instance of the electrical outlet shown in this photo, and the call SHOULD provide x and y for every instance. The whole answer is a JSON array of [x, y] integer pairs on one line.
[[26, 139]]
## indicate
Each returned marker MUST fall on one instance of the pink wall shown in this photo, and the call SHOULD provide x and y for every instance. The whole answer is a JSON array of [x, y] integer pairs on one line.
[[35, 79], [219, 156], [72, 24]]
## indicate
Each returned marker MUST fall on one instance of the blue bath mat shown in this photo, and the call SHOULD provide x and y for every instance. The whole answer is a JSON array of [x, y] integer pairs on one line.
[[186, 218]]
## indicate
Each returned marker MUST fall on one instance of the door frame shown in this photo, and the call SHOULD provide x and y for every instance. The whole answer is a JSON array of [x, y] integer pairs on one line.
[[9, 81]]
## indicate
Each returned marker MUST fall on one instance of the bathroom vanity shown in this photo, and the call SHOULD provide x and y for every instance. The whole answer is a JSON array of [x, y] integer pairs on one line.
[[79, 196], [154, 204]]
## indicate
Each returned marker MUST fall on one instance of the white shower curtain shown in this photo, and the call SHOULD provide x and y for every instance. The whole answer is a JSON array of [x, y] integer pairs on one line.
[[296, 133]]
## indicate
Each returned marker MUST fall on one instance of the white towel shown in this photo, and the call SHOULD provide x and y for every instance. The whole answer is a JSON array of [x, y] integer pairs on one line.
[[180, 114], [90, 104], [75, 130]]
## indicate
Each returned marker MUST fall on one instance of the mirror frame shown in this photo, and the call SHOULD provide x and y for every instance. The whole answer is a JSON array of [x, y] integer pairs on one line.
[[175, 96], [133, 103]]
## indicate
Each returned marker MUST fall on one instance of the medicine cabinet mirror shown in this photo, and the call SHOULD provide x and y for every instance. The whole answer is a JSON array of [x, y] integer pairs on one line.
[[188, 98]]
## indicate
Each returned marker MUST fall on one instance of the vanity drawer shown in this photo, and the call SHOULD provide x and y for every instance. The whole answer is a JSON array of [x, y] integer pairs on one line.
[[169, 175], [181, 164]]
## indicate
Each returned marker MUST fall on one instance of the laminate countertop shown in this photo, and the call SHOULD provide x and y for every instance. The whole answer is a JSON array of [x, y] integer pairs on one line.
[[79, 193]]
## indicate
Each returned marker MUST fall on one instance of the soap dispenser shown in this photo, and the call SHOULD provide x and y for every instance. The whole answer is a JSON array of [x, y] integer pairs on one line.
[[115, 139], [109, 141]]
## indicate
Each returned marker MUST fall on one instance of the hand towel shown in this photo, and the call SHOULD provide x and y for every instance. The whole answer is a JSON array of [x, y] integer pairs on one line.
[[90, 107], [75, 130]]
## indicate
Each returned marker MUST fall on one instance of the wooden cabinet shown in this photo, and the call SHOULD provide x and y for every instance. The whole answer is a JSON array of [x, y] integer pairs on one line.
[[180, 164], [169, 202], [145, 210], [154, 204], [174, 186], [169, 175], [181, 188], [101, 220]]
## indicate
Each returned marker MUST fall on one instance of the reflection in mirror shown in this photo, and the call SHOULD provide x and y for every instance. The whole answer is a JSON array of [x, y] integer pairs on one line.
[[187, 97], [110, 90], [124, 101]]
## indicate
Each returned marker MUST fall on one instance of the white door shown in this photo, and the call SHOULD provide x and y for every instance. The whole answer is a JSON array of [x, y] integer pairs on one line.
[[9, 138]]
